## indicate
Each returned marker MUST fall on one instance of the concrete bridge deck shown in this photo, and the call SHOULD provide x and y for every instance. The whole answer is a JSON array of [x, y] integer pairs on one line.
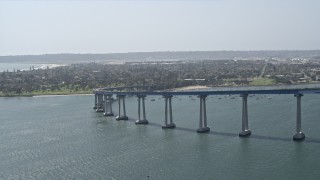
[[284, 89]]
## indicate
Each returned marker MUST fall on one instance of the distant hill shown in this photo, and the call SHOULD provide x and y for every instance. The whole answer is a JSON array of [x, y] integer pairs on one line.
[[170, 55]]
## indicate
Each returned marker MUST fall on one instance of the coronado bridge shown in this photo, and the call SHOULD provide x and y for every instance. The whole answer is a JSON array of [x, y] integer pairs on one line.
[[104, 98]]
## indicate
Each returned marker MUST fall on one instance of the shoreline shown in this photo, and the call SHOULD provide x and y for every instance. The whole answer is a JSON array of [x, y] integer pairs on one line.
[[47, 95], [58, 95], [27, 66], [186, 88]]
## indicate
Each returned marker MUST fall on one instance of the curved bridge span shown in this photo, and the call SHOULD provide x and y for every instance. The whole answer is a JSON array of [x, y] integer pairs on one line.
[[104, 98]]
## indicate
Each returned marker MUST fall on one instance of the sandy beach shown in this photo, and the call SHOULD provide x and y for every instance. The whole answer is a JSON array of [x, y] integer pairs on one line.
[[188, 88], [50, 66]]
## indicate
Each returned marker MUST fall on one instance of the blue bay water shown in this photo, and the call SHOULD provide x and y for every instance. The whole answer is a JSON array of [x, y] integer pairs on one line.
[[25, 66], [18, 66], [62, 137]]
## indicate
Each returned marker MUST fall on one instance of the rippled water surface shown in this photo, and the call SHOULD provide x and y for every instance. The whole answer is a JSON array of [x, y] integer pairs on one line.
[[62, 137]]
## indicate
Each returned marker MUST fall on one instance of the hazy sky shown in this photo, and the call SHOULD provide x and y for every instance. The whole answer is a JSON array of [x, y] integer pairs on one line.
[[80, 26]]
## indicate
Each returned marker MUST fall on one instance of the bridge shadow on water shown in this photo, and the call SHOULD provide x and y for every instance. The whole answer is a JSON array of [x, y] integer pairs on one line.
[[226, 134]]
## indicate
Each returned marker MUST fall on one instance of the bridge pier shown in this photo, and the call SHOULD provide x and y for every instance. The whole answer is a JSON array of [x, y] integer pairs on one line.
[[108, 105], [245, 129], [95, 101], [299, 136], [203, 128], [141, 97], [124, 116], [99, 104], [167, 125]]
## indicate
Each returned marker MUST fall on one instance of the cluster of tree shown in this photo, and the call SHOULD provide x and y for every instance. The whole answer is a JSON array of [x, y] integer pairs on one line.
[[160, 74]]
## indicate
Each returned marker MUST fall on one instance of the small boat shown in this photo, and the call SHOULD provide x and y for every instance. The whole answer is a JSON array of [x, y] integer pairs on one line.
[[152, 99]]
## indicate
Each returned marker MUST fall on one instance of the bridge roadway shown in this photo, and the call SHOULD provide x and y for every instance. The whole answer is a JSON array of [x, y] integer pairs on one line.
[[104, 97]]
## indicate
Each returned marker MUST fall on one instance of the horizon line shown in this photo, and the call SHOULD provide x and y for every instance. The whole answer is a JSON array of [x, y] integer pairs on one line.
[[169, 51]]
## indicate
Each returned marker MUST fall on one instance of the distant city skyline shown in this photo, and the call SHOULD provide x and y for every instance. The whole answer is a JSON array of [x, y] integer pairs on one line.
[[83, 26]]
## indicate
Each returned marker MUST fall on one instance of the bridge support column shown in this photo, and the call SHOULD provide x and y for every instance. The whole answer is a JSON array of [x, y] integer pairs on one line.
[[167, 125], [95, 101], [124, 116], [108, 105], [203, 128], [99, 103], [299, 134], [245, 129], [144, 119]]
